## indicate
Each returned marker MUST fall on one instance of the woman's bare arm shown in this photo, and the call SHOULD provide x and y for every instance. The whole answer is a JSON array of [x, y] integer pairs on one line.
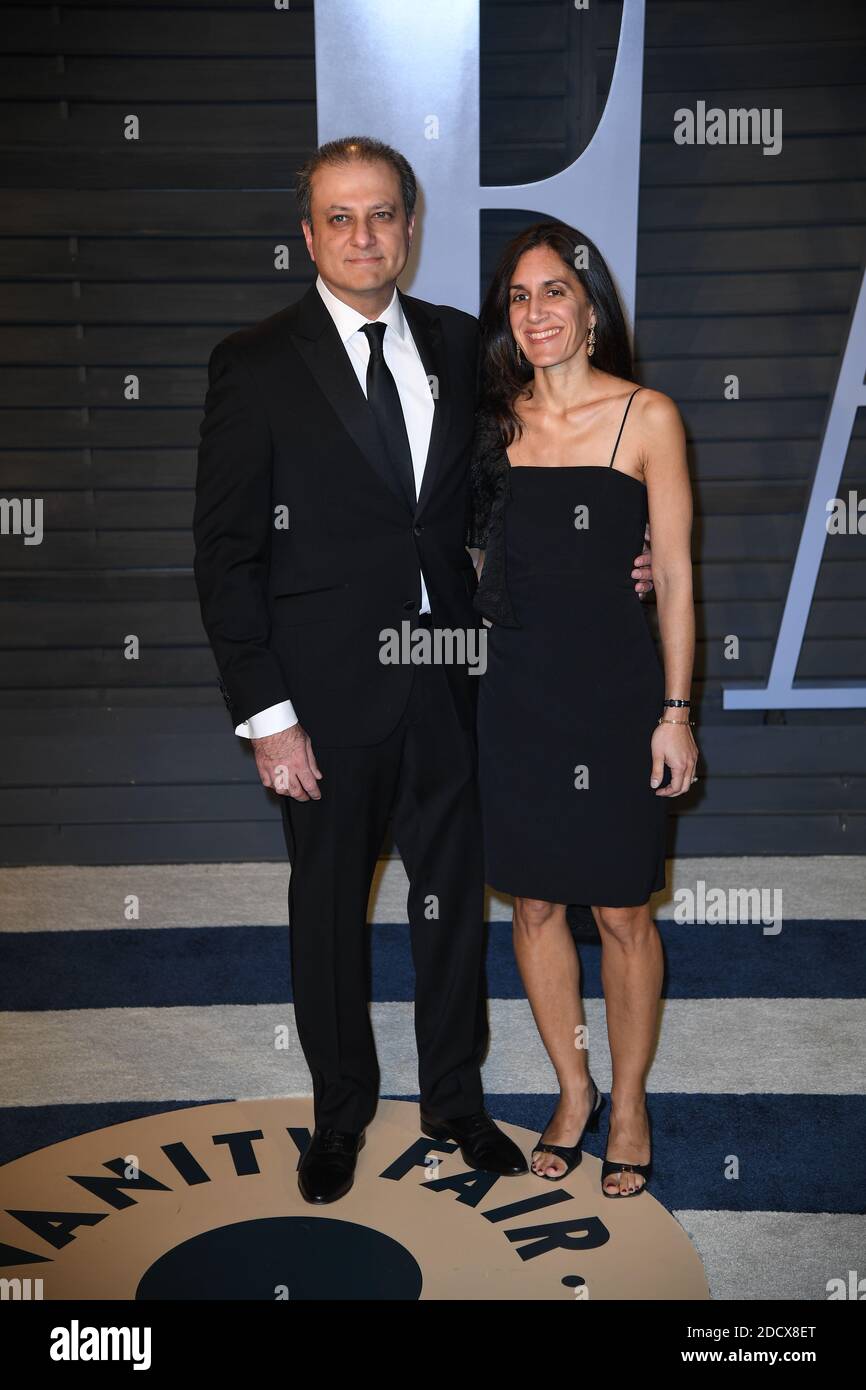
[[671, 511]]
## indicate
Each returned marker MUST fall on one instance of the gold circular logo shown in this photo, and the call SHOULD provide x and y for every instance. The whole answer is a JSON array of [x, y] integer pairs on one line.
[[203, 1203]]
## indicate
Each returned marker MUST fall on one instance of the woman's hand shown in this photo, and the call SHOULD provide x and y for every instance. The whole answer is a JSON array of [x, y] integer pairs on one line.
[[673, 744]]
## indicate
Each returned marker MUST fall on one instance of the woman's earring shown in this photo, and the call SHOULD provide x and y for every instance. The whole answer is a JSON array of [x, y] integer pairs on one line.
[[590, 345], [519, 353]]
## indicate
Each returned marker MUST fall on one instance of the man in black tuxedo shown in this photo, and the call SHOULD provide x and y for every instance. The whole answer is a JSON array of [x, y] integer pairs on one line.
[[331, 505], [323, 516]]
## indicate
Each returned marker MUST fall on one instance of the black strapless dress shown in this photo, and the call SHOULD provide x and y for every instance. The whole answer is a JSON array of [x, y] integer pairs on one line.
[[570, 699]]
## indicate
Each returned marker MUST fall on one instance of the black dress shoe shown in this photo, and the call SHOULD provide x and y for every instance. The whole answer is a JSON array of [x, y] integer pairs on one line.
[[481, 1143], [326, 1170]]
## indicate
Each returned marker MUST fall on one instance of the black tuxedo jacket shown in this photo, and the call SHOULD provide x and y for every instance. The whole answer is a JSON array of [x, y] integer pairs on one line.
[[295, 611]]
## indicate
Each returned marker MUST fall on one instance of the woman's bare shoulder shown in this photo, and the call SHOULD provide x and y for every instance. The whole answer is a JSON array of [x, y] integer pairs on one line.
[[656, 411], [662, 437]]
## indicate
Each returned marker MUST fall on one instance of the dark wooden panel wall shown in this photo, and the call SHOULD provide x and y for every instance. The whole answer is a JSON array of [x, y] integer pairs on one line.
[[121, 257]]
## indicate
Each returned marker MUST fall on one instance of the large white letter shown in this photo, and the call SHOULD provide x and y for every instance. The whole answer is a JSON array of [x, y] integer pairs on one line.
[[385, 67]]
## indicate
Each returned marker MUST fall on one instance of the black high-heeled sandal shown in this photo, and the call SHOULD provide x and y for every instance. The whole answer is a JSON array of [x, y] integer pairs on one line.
[[642, 1170], [570, 1156]]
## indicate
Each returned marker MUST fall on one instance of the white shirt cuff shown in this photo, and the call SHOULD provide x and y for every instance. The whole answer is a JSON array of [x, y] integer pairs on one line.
[[268, 721]]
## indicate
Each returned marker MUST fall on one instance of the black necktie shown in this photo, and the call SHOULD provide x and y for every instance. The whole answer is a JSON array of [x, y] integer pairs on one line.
[[384, 400]]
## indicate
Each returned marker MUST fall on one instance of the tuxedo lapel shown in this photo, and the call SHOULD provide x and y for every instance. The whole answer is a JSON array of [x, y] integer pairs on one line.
[[316, 338], [426, 331]]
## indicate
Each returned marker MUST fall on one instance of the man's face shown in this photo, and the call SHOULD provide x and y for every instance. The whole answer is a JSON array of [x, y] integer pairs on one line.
[[359, 237]]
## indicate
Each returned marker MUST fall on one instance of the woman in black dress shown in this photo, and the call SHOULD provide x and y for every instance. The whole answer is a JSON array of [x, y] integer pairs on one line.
[[583, 735]]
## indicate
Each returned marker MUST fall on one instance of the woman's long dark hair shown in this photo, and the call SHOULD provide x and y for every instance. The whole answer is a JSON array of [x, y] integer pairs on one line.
[[503, 378]]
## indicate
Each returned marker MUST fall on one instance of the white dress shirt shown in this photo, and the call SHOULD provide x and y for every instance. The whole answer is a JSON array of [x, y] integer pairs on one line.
[[416, 399]]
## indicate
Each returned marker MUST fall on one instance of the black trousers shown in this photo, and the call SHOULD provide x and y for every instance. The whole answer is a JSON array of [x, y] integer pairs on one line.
[[424, 776]]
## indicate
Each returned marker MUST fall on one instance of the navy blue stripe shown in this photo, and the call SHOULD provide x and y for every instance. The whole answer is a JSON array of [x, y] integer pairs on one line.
[[26, 1128], [796, 1153], [250, 965]]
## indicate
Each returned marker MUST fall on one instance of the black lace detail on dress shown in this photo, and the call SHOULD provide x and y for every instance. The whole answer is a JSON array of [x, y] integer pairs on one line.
[[489, 491]]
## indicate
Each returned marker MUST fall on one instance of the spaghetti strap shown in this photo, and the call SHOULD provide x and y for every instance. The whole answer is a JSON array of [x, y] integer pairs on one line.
[[619, 436]]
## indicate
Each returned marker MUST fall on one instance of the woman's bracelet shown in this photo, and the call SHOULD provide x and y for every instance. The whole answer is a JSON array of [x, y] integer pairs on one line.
[[677, 704], [677, 721]]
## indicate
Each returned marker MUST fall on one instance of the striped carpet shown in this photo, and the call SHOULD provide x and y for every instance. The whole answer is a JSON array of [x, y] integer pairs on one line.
[[131, 990]]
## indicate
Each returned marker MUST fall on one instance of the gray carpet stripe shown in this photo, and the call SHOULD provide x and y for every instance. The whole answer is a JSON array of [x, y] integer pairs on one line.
[[70, 898], [788, 1046], [776, 1255]]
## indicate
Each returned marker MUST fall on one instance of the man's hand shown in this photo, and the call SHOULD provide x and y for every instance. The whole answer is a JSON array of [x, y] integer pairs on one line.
[[643, 571], [286, 763]]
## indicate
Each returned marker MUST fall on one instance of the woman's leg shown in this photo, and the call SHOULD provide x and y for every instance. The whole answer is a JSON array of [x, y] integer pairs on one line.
[[550, 971], [631, 973]]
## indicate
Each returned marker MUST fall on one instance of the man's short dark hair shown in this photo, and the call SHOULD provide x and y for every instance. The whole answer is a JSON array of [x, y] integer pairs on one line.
[[366, 150]]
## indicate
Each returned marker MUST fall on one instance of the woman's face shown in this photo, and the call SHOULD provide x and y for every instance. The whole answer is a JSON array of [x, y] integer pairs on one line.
[[549, 312]]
